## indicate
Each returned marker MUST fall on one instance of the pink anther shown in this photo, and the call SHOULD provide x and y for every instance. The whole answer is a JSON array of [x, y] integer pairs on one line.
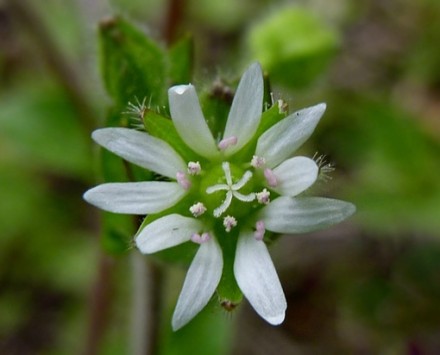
[[270, 177], [227, 142], [260, 230], [200, 239], [183, 180]]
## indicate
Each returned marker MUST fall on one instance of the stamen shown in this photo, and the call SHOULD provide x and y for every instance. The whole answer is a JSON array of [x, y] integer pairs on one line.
[[260, 230], [224, 206], [263, 197], [218, 187], [183, 180], [197, 209], [282, 106], [200, 239], [258, 162], [194, 168], [245, 198], [243, 181], [229, 222], [227, 142], [227, 170], [270, 177], [231, 189]]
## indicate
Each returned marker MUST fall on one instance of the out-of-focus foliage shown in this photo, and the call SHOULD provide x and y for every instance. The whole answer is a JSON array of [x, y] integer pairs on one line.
[[370, 286], [125, 54], [293, 45]]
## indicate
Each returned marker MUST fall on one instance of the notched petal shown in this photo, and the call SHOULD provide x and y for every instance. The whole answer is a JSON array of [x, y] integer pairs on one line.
[[281, 140], [135, 197], [166, 232], [258, 280], [245, 114], [295, 175], [304, 214], [141, 149], [189, 120], [200, 283]]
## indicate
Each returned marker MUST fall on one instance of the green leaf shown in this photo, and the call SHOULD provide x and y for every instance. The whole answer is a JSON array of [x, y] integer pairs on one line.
[[181, 61], [133, 66]]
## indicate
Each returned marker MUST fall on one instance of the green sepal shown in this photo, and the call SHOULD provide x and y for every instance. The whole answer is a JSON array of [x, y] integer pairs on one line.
[[228, 290], [180, 57], [163, 128], [132, 65]]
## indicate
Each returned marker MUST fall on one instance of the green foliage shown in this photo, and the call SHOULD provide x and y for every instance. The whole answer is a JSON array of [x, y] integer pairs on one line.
[[397, 164], [38, 125], [294, 46], [387, 162], [133, 66]]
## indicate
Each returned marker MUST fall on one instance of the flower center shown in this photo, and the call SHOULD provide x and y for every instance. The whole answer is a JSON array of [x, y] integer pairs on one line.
[[232, 189]]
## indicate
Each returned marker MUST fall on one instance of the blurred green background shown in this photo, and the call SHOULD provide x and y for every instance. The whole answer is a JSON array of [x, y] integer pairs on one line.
[[368, 286]]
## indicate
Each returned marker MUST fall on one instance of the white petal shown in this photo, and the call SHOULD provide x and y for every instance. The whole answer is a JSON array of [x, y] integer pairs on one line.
[[295, 175], [257, 278], [282, 139], [245, 114], [166, 232], [300, 215], [141, 149], [135, 197], [200, 283], [189, 120]]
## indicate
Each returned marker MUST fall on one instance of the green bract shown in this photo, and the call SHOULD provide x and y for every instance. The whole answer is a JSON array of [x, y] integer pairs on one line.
[[223, 191]]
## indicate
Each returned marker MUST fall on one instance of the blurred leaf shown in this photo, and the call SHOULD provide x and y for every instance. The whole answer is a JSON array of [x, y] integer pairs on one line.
[[294, 46], [181, 61], [224, 15], [133, 66]]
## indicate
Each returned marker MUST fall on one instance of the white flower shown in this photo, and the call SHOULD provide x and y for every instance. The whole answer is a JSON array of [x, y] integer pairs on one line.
[[258, 192]]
